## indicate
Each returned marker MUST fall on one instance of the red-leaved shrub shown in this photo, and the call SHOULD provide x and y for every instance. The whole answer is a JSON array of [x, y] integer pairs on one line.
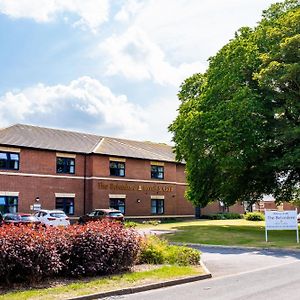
[[28, 254], [103, 248]]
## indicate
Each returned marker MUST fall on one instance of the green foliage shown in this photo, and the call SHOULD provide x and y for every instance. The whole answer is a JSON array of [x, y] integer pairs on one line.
[[238, 127], [222, 216], [152, 222], [152, 251], [157, 251], [254, 216], [130, 224]]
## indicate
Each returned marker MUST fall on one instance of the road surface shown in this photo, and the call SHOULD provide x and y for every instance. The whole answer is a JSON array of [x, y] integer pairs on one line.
[[237, 275]]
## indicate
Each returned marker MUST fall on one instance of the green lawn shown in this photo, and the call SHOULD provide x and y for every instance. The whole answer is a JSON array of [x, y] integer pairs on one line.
[[229, 233], [84, 287]]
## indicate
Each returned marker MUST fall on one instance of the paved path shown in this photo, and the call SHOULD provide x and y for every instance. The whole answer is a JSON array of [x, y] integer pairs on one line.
[[237, 275]]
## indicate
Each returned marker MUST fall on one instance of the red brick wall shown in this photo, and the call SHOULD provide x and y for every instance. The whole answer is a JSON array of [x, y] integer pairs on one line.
[[134, 168], [42, 162], [45, 188], [174, 201]]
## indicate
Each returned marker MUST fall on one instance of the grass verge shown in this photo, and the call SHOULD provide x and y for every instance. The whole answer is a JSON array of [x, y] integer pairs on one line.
[[83, 287], [229, 233]]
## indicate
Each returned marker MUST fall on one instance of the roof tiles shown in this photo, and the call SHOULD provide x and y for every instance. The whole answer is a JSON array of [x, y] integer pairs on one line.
[[69, 141]]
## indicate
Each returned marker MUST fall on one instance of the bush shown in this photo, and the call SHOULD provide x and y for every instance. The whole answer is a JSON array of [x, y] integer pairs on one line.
[[152, 250], [254, 216], [222, 216], [29, 255], [182, 256], [102, 248], [26, 254], [130, 224], [158, 251]]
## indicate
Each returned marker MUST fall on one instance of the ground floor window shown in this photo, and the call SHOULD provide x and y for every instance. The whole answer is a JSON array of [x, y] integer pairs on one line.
[[118, 204], [8, 204], [66, 205], [157, 206]]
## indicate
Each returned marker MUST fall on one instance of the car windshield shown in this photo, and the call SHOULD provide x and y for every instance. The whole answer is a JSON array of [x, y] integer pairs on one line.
[[115, 214], [58, 215], [12, 217], [29, 218]]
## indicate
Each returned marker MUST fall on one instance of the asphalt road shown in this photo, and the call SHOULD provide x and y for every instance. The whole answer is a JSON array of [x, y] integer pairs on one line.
[[237, 275]]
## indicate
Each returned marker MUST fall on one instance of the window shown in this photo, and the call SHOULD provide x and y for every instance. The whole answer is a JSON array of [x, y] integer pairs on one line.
[[9, 161], [117, 168], [118, 204], [65, 165], [157, 206], [157, 172], [8, 204], [66, 205]]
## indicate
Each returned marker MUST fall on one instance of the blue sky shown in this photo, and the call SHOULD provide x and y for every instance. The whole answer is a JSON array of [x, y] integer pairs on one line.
[[109, 67]]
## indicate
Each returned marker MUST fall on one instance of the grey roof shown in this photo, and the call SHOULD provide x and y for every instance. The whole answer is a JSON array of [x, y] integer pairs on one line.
[[69, 141], [46, 138], [127, 148]]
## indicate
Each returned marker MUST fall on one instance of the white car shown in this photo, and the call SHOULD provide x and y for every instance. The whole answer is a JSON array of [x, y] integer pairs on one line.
[[52, 217]]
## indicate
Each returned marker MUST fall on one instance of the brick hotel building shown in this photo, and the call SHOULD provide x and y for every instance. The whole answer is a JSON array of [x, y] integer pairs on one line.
[[77, 172]]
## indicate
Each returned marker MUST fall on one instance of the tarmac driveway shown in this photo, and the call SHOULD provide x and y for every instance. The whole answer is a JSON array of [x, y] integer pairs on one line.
[[238, 274], [222, 261]]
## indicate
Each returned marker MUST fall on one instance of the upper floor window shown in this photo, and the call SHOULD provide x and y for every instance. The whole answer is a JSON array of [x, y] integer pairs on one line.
[[9, 161], [157, 172], [65, 165], [117, 168]]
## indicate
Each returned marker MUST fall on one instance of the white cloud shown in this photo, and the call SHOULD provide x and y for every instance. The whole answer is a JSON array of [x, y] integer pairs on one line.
[[137, 57], [129, 9], [167, 41], [195, 29], [83, 104], [91, 13]]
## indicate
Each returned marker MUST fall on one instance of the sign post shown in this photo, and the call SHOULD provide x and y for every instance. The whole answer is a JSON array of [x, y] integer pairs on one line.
[[281, 220]]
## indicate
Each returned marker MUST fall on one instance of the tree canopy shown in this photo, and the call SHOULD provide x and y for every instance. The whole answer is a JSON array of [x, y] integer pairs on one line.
[[238, 127]]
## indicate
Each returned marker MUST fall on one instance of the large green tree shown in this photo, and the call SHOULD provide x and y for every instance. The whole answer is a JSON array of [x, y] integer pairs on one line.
[[238, 127]]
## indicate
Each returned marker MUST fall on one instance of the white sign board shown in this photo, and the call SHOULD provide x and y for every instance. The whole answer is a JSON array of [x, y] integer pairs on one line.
[[281, 220], [37, 206]]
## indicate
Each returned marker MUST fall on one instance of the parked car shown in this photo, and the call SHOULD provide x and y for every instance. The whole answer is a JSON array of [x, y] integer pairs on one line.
[[52, 217], [100, 214], [20, 218]]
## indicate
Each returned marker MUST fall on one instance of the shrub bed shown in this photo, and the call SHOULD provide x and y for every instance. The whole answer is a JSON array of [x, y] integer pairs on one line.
[[222, 216], [26, 254], [254, 216], [29, 255], [158, 251]]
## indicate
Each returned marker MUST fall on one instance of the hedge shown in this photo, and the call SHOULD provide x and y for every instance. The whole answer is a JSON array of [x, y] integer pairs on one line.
[[222, 216], [254, 216], [97, 248]]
